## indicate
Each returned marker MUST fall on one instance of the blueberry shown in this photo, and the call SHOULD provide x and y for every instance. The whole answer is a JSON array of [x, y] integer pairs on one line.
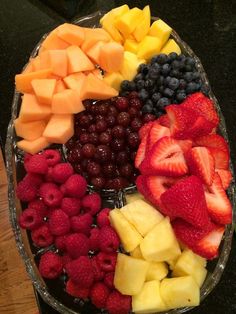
[[173, 83], [191, 87], [176, 65], [143, 94], [147, 108], [153, 90], [188, 76], [158, 112], [125, 85], [165, 69], [132, 86], [188, 68], [154, 72], [148, 84], [180, 96], [154, 59], [140, 84], [190, 61], [143, 68], [168, 92], [124, 93], [161, 58], [196, 75], [182, 84], [138, 77], [156, 97], [173, 56], [163, 102], [175, 73], [181, 57], [167, 80], [160, 81], [161, 89], [149, 102], [205, 89]]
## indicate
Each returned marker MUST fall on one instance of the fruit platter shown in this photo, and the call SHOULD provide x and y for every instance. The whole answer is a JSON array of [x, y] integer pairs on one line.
[[121, 187]]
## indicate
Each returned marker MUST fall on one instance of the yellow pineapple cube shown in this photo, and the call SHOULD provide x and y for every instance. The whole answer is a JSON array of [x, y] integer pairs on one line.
[[171, 46], [149, 47], [156, 271], [116, 12], [127, 22], [171, 263], [131, 45], [133, 197], [161, 30], [136, 253], [130, 65], [143, 27], [108, 25], [113, 79], [130, 274]]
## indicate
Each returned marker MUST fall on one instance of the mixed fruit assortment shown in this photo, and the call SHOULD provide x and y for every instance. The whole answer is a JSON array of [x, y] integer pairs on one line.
[[130, 109]]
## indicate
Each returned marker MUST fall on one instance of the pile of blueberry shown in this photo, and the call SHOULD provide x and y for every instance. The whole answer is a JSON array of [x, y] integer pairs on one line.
[[165, 80]]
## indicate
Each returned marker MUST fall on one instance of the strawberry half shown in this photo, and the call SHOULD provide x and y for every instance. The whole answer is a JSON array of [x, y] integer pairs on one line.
[[218, 204], [164, 120], [156, 132], [201, 164], [186, 200], [212, 141], [221, 158], [225, 176], [141, 152], [144, 130]]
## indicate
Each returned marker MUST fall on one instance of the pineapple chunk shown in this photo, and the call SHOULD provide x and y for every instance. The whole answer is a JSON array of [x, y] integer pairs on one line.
[[129, 236], [160, 244], [161, 30], [113, 79], [127, 22], [130, 274], [136, 253], [131, 45], [149, 299], [156, 271], [142, 215], [143, 27], [108, 25], [130, 65], [180, 292], [116, 12], [148, 47], [171, 263], [171, 46], [133, 197]]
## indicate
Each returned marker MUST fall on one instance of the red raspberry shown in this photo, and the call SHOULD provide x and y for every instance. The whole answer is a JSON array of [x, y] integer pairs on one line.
[[50, 265], [59, 222], [61, 172], [109, 280], [81, 271], [60, 243], [48, 176], [76, 186], [70, 205], [30, 219], [118, 303], [99, 294], [98, 273], [94, 239], [39, 206], [27, 157], [107, 261], [25, 191], [51, 195], [37, 164], [76, 291], [81, 223], [66, 259], [63, 189], [103, 217], [34, 179], [52, 156], [42, 236], [108, 240], [92, 203], [77, 244]]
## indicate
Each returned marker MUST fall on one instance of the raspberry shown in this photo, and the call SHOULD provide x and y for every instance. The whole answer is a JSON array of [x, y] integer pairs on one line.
[[52, 156], [60, 243], [77, 244], [98, 273], [107, 261], [37, 164], [70, 205], [76, 186], [66, 259], [108, 240], [50, 265], [50, 194], [61, 172], [63, 189], [42, 236], [39, 206], [118, 303], [81, 271], [30, 219], [81, 223], [25, 191], [48, 176], [76, 291], [99, 294], [94, 239], [103, 217], [92, 203], [59, 223], [27, 157], [34, 179], [109, 280]]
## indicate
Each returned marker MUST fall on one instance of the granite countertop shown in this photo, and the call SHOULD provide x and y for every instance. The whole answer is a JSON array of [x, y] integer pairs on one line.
[[208, 26]]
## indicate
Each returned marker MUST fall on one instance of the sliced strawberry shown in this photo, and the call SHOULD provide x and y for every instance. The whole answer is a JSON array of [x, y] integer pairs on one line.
[[225, 176], [221, 158], [145, 129], [185, 145], [218, 204], [186, 200], [201, 164], [156, 132], [141, 152], [212, 141], [165, 158], [164, 120], [200, 127]]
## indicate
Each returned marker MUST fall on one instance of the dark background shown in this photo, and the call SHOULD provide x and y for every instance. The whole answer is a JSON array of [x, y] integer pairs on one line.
[[208, 26]]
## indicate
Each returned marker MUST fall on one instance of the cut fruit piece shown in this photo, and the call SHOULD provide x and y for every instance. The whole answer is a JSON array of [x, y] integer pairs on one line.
[[130, 274], [53, 41], [221, 158], [94, 52], [92, 36], [44, 90], [75, 81], [108, 25], [115, 13], [161, 30], [145, 129], [157, 131], [164, 120], [77, 60], [36, 64], [131, 45], [31, 110], [141, 152], [56, 60], [130, 65], [67, 101], [113, 79], [156, 271], [127, 22], [33, 147], [23, 81], [133, 197], [212, 141], [28, 68], [60, 86], [29, 130], [136, 253], [225, 176], [60, 128], [70, 33], [111, 57], [149, 47], [143, 27], [171, 46]]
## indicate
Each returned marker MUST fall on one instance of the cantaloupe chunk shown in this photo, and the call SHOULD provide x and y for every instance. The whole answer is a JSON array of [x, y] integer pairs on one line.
[[29, 68], [111, 57], [94, 52], [77, 60], [53, 41], [75, 81], [92, 36], [97, 73], [60, 128], [94, 88], [36, 64], [32, 110], [33, 147], [44, 90], [67, 101], [72, 34], [60, 86], [29, 130], [23, 81], [56, 60]]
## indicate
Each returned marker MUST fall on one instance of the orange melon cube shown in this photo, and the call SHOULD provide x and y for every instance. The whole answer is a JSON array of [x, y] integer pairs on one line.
[[23, 81], [36, 64], [67, 101], [60, 128], [111, 57], [32, 110], [44, 90], [94, 52], [92, 36], [77, 60], [97, 73], [29, 130], [33, 147], [53, 41], [60, 86], [72, 34], [29, 68], [56, 60], [95, 88], [75, 81]]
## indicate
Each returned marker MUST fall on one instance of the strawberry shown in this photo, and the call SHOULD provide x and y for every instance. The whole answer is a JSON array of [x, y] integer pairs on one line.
[[185, 199], [218, 204], [201, 164], [141, 152], [144, 130], [165, 158], [156, 132], [164, 120], [225, 176], [201, 127], [221, 158], [212, 141]]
